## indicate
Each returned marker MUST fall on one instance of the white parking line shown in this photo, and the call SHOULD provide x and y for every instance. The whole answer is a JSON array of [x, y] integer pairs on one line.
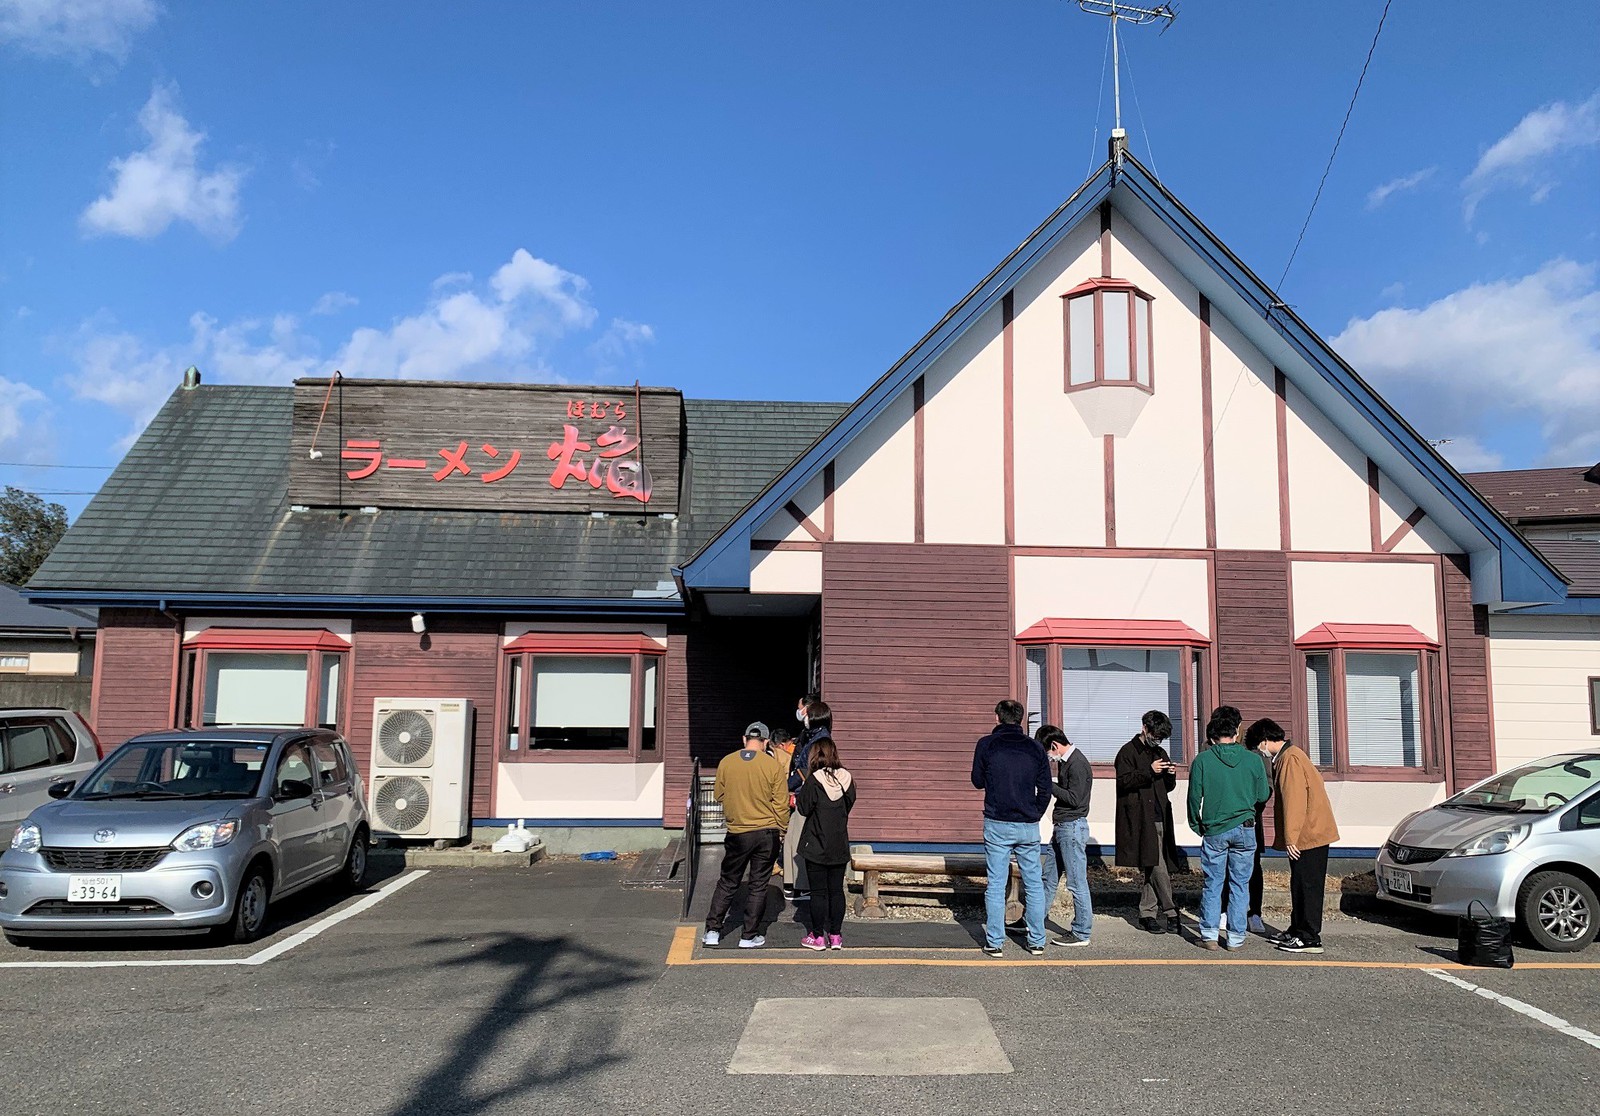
[[261, 957], [1554, 1022]]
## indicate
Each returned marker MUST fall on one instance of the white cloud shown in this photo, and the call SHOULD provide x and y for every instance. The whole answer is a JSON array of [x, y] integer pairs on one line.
[[620, 349], [1507, 352], [333, 302], [164, 182], [15, 398], [1522, 156], [78, 29], [1381, 194], [506, 329], [1469, 455]]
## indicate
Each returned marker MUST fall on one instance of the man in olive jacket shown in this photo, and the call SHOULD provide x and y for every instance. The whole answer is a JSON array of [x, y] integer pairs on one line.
[[1305, 830], [1145, 777]]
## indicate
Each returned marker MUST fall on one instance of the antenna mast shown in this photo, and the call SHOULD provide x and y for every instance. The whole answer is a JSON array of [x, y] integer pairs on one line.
[[1138, 17]]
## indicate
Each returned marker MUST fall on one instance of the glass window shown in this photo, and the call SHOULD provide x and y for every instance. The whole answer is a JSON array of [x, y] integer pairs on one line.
[[293, 767], [1141, 341], [14, 662], [329, 701], [33, 744], [1080, 325], [196, 768], [1114, 334], [255, 688], [1319, 709], [647, 730], [514, 704], [582, 702], [1594, 705], [1384, 709], [1536, 787], [1036, 710], [1106, 690], [330, 762], [1589, 813]]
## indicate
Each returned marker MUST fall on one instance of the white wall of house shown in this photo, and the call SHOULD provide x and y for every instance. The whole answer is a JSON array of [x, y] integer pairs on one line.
[[1540, 668]]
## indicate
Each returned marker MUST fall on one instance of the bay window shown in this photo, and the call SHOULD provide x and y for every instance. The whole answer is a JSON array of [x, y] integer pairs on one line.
[[1108, 335], [1372, 700], [1097, 679], [581, 698], [275, 678]]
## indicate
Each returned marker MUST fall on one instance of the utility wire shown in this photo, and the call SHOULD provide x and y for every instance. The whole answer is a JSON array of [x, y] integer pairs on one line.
[[1133, 85], [1099, 102], [37, 465], [1339, 139]]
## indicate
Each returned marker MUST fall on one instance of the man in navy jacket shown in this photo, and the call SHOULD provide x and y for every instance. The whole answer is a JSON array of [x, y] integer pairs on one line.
[[1010, 767]]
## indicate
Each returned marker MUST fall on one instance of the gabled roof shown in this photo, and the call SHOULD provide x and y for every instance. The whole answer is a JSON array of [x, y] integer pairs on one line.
[[198, 514], [1538, 495], [1505, 566]]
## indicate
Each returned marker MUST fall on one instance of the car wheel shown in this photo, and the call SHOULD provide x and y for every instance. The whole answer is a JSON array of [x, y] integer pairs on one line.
[[354, 876], [1559, 911], [250, 908]]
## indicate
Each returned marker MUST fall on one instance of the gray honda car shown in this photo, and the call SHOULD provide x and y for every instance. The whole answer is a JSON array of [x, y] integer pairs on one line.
[[1524, 844], [185, 832]]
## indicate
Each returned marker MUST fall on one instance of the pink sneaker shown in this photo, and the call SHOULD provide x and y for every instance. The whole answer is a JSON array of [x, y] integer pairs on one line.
[[835, 941], [814, 941]]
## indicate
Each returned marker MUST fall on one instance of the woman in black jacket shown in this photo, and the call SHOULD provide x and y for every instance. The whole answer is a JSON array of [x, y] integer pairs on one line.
[[825, 798]]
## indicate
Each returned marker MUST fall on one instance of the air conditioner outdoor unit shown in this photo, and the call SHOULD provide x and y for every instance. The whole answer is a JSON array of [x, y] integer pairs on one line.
[[421, 755]]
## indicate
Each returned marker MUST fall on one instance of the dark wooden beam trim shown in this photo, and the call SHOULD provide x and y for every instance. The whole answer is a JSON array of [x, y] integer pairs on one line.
[[1280, 387], [1008, 405], [786, 545], [827, 501], [1417, 516], [1105, 240], [918, 399], [1373, 504], [1207, 430], [1111, 489], [804, 520]]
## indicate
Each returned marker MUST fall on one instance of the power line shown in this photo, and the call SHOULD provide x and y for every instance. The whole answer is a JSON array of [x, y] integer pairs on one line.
[[1338, 140], [37, 465]]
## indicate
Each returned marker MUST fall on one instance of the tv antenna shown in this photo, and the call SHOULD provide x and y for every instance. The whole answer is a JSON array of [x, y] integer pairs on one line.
[[1137, 17]]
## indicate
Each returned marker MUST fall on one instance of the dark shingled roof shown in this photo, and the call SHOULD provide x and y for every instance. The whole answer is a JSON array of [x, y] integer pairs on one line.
[[1529, 495], [1578, 560], [17, 615], [200, 504]]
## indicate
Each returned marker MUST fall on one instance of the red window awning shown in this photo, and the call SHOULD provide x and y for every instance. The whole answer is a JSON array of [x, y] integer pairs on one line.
[[267, 639], [586, 643], [1115, 633], [1365, 637]]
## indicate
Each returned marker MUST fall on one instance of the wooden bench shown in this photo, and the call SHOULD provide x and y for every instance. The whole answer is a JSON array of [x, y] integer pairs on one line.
[[968, 866]]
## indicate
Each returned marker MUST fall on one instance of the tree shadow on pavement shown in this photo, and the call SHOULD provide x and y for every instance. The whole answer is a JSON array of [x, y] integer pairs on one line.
[[538, 975]]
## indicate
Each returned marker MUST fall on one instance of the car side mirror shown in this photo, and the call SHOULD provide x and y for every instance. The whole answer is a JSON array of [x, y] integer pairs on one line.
[[62, 789], [289, 790]]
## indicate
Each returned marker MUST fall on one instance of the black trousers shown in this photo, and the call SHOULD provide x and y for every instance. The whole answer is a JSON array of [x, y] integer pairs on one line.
[[755, 851], [827, 897], [1307, 878], [1256, 882]]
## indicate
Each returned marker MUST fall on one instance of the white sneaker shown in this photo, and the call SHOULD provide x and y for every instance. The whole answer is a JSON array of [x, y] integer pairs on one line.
[[752, 943], [1257, 926], [712, 938]]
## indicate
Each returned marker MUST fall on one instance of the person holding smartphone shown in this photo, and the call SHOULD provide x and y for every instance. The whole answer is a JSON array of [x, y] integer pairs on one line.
[[1146, 777]]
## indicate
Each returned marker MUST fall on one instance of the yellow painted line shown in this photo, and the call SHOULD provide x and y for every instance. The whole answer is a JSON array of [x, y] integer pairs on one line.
[[681, 953]]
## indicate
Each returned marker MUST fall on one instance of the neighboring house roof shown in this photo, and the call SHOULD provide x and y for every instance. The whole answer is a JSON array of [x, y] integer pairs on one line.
[[17, 615], [1578, 560], [1505, 566], [198, 512], [1533, 495]]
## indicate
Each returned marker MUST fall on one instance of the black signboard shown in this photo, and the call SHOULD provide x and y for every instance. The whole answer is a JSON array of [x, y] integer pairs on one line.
[[492, 447]]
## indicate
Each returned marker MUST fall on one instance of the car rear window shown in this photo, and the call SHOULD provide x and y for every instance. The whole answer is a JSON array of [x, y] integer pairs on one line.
[[32, 742]]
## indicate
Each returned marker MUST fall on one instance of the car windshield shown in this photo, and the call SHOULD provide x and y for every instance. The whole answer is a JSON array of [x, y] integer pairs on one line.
[[1534, 788], [178, 769]]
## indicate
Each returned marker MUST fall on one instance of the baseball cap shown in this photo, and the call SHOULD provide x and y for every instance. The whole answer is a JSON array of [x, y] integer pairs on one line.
[[757, 730]]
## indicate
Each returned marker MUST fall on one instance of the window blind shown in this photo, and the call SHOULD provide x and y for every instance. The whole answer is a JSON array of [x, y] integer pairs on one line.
[[1319, 709], [1383, 709], [1101, 708]]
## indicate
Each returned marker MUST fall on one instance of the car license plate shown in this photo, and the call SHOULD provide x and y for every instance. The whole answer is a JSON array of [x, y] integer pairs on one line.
[[94, 889], [1397, 882]]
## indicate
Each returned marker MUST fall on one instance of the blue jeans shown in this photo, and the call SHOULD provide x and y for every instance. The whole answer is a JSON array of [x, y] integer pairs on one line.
[[1230, 855], [1002, 841], [1071, 853]]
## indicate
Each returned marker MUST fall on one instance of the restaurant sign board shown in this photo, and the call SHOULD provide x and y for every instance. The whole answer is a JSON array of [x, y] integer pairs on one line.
[[489, 447]]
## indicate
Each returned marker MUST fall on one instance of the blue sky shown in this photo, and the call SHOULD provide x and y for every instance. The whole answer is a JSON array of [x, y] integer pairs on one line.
[[760, 200]]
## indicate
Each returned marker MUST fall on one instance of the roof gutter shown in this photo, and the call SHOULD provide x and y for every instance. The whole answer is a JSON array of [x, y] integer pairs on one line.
[[276, 602]]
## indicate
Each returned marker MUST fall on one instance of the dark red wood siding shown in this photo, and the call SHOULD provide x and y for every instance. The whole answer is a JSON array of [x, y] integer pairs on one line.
[[1254, 640], [1466, 638], [457, 658], [721, 674], [134, 674], [916, 651]]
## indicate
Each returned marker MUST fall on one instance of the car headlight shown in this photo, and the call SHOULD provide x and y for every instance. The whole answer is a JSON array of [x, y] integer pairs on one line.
[[1497, 842], [27, 838], [209, 835]]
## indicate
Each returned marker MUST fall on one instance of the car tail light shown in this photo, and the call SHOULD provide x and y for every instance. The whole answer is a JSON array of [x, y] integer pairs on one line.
[[99, 749]]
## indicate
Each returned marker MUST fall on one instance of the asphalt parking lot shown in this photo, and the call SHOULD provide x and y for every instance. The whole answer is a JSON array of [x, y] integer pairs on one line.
[[554, 989]]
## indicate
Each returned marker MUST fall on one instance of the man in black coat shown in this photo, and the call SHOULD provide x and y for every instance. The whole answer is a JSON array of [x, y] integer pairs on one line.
[[1146, 775], [1011, 770]]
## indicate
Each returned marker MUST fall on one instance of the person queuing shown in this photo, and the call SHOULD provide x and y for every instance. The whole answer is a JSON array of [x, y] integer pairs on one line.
[[751, 784], [1073, 783], [826, 799], [1011, 769], [1305, 829], [817, 720], [1226, 785], [1252, 742], [1146, 777]]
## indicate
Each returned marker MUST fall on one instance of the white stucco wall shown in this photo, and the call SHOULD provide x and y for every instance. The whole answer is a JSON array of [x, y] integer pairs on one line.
[[1329, 502], [1366, 593], [963, 429], [1540, 668], [1085, 588], [873, 498], [786, 571], [783, 526], [1244, 447], [578, 790]]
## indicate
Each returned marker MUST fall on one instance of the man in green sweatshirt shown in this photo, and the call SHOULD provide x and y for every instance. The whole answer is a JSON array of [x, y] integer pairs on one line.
[[1226, 784]]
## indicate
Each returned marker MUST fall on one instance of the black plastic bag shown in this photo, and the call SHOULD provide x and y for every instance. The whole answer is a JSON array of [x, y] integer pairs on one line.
[[1483, 940]]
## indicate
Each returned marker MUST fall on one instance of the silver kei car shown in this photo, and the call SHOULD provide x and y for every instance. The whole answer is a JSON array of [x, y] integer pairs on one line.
[[184, 832], [1524, 844]]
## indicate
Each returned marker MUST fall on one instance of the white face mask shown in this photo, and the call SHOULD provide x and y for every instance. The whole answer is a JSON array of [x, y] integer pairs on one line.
[[800, 715]]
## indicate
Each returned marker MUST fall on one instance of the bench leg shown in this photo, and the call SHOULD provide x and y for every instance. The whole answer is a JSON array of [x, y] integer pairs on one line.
[[869, 906], [1014, 906]]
